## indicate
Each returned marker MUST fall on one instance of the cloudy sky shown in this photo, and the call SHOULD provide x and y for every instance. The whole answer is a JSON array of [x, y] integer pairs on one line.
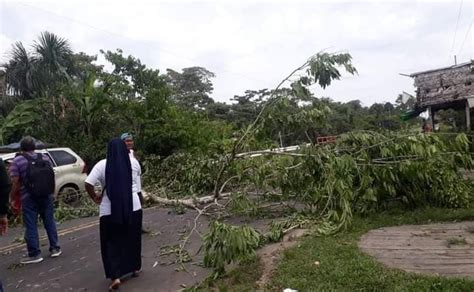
[[255, 44]]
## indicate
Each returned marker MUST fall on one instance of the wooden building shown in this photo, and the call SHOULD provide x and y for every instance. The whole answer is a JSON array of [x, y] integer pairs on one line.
[[449, 87]]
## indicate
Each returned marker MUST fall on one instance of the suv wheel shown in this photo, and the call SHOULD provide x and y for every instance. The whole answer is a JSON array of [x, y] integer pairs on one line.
[[69, 194]]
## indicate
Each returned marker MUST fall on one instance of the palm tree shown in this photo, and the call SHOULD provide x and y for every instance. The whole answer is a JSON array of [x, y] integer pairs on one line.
[[53, 57], [19, 72], [53, 61], [37, 73]]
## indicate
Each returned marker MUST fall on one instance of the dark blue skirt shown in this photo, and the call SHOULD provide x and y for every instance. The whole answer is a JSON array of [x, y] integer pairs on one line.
[[121, 246]]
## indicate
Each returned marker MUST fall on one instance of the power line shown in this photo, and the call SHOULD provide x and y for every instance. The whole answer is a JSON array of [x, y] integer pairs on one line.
[[465, 38], [456, 30], [134, 40]]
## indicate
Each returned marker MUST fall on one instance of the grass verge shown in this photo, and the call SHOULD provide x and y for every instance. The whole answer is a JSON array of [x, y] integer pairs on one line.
[[243, 279], [343, 267]]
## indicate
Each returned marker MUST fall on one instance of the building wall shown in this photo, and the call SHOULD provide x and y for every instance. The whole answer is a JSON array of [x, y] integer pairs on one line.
[[445, 85]]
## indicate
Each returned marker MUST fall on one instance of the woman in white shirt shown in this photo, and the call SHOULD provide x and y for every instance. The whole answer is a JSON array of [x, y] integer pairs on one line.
[[120, 211]]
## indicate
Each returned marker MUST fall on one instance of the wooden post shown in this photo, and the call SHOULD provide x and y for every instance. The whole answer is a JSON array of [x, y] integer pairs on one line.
[[468, 116], [431, 117]]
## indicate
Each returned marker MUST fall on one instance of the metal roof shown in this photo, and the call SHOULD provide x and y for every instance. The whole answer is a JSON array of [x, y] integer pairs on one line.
[[441, 69]]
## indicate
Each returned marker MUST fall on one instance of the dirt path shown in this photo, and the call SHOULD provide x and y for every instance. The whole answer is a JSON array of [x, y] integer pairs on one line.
[[436, 249], [271, 254]]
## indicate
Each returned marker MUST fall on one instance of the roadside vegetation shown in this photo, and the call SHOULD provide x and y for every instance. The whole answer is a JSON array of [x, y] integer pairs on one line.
[[210, 156], [335, 263]]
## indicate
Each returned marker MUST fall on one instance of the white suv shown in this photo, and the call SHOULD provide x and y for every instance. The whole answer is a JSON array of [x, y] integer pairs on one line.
[[69, 169]]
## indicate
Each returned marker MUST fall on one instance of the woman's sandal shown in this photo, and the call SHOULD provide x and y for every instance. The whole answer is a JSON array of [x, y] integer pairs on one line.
[[115, 285]]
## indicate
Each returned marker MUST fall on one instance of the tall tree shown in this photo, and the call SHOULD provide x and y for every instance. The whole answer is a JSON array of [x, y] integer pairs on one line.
[[39, 72], [130, 79], [247, 106], [405, 102], [20, 71], [192, 87], [376, 109], [53, 59]]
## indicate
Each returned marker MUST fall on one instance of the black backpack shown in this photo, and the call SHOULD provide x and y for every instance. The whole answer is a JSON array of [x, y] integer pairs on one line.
[[39, 178]]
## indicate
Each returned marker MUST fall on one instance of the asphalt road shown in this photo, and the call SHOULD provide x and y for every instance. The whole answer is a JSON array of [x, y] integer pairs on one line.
[[79, 268]]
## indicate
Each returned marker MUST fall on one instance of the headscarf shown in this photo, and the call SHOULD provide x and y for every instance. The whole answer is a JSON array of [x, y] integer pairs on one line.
[[118, 180], [124, 136]]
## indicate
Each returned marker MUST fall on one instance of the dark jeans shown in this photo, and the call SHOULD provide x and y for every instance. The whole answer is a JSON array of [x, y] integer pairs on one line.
[[31, 209]]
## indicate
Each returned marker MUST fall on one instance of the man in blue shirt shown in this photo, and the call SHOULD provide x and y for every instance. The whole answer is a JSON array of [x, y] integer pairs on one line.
[[32, 207]]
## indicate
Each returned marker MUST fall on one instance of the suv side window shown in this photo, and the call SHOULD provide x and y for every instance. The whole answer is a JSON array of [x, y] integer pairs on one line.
[[49, 158], [61, 157]]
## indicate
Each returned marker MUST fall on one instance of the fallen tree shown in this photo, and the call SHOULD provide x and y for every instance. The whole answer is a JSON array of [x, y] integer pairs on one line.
[[363, 172]]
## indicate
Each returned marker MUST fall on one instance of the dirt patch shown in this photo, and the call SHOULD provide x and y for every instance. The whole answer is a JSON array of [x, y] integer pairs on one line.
[[435, 249], [270, 254]]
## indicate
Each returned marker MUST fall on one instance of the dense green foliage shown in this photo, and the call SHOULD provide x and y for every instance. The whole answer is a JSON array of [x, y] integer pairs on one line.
[[226, 243], [65, 98], [362, 173], [188, 143]]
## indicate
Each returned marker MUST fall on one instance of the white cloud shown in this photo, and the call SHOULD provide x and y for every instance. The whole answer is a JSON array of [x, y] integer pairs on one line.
[[5, 45], [254, 45]]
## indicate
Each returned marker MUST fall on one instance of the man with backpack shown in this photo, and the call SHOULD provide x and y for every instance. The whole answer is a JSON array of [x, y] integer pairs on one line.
[[32, 173]]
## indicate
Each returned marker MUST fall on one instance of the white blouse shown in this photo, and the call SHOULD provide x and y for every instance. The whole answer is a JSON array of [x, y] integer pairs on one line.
[[97, 176]]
